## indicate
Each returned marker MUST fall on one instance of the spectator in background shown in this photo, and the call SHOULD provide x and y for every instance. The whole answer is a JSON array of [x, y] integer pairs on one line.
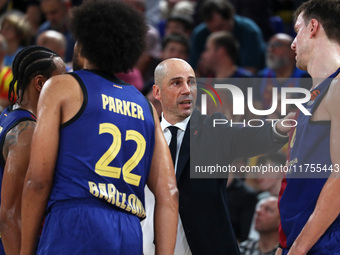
[[170, 7], [30, 8], [34, 16], [268, 184], [218, 15], [220, 56], [220, 60], [6, 76], [183, 9], [18, 34], [175, 46], [55, 41], [179, 24], [281, 70], [57, 18], [267, 224], [259, 11]]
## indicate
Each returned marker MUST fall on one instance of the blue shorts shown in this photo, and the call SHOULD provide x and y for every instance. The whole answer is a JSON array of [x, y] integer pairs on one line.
[[328, 244], [90, 228], [2, 250]]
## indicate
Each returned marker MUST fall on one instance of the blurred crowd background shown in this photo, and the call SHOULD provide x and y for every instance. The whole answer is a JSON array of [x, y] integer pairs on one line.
[[236, 39]]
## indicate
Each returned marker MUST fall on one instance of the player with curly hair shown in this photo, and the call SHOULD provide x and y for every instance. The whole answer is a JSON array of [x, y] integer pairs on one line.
[[97, 143]]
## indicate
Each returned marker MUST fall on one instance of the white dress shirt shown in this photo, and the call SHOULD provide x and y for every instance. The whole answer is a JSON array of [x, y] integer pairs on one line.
[[182, 246]]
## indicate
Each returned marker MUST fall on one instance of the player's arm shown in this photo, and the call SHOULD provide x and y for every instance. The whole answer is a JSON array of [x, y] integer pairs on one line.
[[328, 205], [39, 177], [16, 152], [278, 251], [162, 183]]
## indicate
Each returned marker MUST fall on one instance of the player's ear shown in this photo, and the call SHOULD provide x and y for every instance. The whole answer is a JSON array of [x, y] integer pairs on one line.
[[156, 92], [39, 81], [314, 27]]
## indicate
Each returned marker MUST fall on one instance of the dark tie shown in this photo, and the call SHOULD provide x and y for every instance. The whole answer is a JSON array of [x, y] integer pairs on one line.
[[173, 142]]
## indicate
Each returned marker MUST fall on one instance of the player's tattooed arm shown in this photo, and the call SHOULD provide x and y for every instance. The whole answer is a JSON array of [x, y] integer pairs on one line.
[[13, 135], [16, 152]]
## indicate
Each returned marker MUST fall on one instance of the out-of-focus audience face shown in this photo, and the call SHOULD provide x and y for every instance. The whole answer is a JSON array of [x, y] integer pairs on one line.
[[55, 12], [209, 55], [16, 30], [218, 23], [174, 50], [175, 46], [279, 54], [53, 40], [174, 27], [267, 216], [34, 16], [179, 24], [9, 32]]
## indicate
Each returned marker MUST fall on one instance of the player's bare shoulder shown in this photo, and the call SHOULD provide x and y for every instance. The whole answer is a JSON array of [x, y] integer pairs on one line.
[[332, 98], [62, 93], [60, 85]]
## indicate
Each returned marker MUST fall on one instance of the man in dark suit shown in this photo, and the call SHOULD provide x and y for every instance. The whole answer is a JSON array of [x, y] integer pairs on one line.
[[204, 224]]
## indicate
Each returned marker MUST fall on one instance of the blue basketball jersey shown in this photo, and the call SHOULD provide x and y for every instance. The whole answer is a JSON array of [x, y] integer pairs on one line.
[[310, 166], [105, 151], [9, 118]]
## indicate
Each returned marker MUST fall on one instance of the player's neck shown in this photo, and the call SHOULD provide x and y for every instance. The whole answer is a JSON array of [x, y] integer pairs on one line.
[[26, 106], [29, 101], [324, 61], [89, 65]]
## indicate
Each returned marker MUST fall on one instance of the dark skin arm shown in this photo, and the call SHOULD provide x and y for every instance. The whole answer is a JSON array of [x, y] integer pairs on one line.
[[162, 183], [16, 152], [53, 109]]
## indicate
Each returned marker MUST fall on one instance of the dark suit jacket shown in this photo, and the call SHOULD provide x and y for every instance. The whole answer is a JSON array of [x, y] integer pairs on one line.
[[203, 202]]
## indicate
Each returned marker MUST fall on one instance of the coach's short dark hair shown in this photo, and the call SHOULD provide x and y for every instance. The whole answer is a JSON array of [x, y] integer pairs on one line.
[[111, 34], [222, 7], [327, 12]]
